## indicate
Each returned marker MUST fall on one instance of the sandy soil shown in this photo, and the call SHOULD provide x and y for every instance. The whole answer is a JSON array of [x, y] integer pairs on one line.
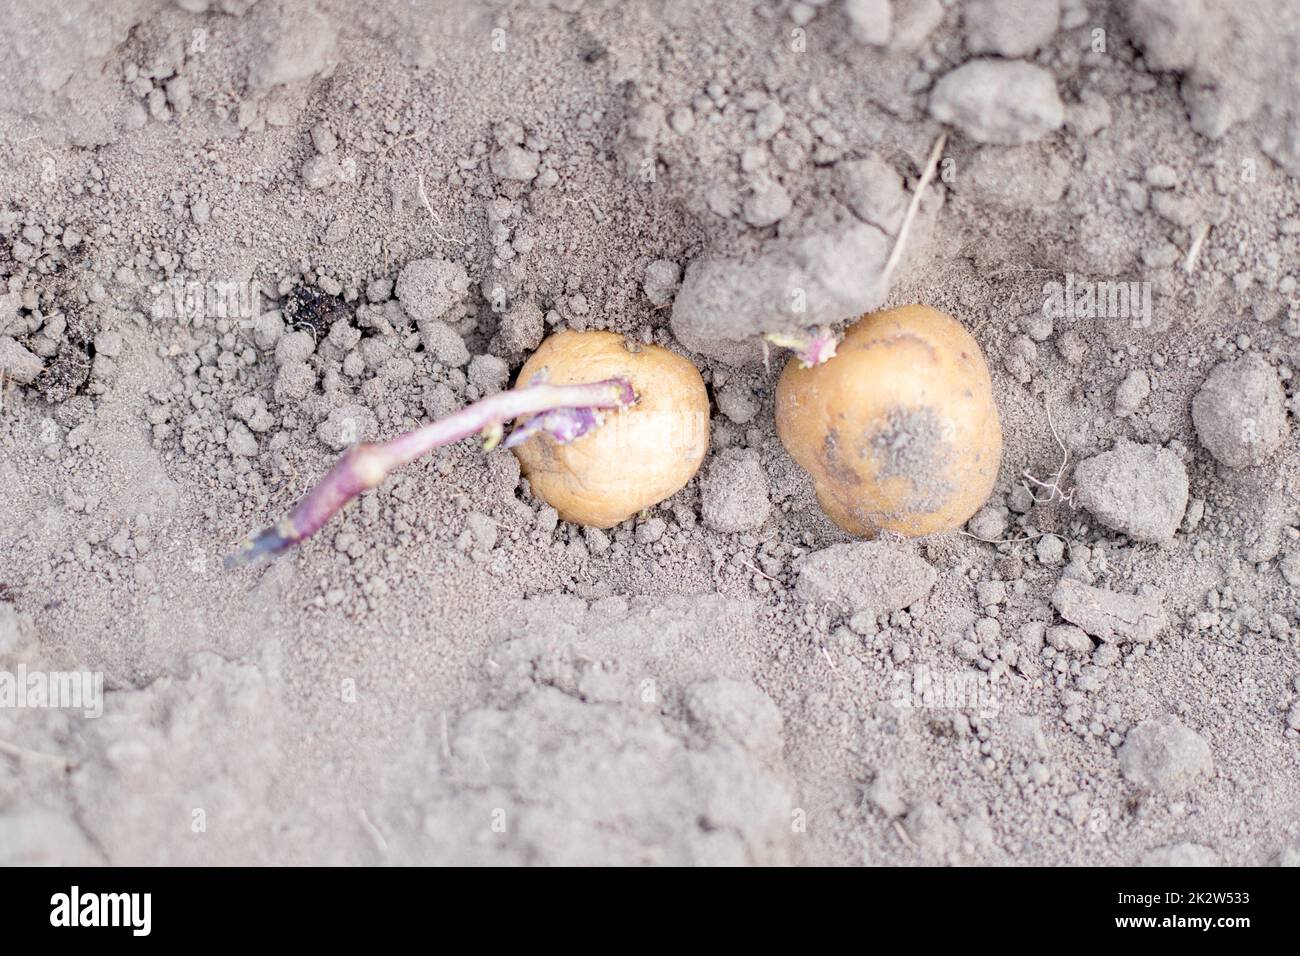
[[206, 210]]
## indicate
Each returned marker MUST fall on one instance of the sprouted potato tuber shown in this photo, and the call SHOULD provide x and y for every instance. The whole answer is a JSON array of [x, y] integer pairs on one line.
[[899, 430], [643, 454]]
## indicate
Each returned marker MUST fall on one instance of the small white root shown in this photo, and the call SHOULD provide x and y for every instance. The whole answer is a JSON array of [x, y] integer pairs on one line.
[[1053, 487]]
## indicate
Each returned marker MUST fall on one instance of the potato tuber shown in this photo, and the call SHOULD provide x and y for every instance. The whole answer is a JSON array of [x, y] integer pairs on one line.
[[899, 430], [641, 454]]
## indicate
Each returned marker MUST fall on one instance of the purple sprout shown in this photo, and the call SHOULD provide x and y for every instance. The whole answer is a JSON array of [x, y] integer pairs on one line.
[[565, 412], [811, 348], [820, 348]]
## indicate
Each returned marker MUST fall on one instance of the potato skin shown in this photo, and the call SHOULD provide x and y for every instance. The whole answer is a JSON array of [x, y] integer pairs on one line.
[[638, 456], [899, 430]]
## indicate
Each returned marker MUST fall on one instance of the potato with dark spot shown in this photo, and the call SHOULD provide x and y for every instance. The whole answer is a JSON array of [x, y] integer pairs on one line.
[[899, 430]]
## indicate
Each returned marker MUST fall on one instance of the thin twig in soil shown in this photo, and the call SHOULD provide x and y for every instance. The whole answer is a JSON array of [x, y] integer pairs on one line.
[[376, 836], [1194, 252], [746, 564], [931, 165], [902, 835]]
